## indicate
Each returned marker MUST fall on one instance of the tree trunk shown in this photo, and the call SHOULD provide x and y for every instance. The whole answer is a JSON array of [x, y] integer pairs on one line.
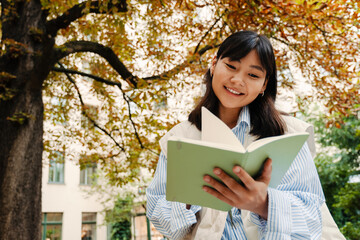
[[21, 165], [23, 68]]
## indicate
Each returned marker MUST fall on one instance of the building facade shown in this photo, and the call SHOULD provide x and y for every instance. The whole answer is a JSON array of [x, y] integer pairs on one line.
[[69, 211]]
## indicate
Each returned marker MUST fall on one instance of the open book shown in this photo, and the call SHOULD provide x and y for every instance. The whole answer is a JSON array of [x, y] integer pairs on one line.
[[189, 160]]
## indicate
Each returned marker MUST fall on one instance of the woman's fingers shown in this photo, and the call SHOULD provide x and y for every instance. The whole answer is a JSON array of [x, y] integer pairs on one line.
[[244, 177], [266, 174], [229, 181], [250, 182], [218, 186], [251, 195], [218, 195]]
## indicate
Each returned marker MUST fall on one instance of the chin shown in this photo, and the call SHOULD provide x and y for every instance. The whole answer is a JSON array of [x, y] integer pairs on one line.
[[232, 107]]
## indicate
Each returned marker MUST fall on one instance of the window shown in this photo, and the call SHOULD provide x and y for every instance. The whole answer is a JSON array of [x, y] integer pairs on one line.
[[88, 226], [88, 174], [56, 168], [51, 226]]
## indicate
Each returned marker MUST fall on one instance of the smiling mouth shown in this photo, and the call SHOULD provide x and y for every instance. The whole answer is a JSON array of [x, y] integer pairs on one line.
[[233, 91]]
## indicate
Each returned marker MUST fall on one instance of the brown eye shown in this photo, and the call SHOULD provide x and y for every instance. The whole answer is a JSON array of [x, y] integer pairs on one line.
[[253, 75], [230, 66]]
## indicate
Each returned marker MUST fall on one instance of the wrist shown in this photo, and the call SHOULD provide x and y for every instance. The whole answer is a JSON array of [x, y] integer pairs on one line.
[[262, 211]]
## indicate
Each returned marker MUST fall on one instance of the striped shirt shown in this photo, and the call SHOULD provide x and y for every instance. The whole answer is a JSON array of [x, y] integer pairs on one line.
[[293, 210]]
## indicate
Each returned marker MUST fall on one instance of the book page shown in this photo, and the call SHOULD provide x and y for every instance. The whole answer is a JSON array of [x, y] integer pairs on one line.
[[267, 140], [216, 131], [189, 160], [214, 145]]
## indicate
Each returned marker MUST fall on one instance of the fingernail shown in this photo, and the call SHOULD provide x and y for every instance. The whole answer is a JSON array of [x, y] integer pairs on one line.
[[205, 189], [217, 171], [207, 179], [237, 169]]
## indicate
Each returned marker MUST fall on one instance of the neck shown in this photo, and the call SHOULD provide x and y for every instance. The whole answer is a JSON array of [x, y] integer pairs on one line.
[[229, 116]]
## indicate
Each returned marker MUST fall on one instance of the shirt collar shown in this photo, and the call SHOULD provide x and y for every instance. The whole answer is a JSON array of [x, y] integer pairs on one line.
[[244, 117]]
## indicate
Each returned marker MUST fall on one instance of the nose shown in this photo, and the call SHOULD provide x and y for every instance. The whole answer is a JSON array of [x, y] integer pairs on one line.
[[237, 79]]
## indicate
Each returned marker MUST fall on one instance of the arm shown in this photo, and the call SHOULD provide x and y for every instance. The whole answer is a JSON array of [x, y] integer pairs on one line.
[[170, 218], [294, 206], [291, 210]]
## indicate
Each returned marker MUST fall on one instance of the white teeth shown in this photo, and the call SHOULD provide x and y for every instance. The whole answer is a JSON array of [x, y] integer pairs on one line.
[[232, 91]]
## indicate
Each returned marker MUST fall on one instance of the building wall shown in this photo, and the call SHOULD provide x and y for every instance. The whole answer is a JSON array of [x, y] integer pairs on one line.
[[71, 199]]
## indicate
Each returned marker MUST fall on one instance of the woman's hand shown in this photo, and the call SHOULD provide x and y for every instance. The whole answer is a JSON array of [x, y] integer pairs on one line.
[[252, 195]]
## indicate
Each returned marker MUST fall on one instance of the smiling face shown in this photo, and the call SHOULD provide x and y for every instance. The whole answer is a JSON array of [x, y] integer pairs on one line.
[[237, 83]]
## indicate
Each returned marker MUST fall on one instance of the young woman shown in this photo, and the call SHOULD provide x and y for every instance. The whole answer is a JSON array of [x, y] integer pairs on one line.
[[241, 87]]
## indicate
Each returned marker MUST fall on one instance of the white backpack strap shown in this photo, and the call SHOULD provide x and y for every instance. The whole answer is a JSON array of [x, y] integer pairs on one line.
[[250, 229], [296, 125], [211, 224], [185, 129], [329, 228]]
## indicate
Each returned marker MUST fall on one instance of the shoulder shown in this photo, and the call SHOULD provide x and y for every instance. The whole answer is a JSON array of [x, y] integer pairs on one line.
[[184, 129], [296, 125]]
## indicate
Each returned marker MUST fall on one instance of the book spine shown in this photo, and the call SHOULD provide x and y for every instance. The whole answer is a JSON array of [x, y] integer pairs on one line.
[[246, 158]]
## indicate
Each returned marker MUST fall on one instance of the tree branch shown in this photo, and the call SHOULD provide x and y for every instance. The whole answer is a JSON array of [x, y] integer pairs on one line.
[[133, 123], [206, 48], [99, 79], [281, 40], [324, 33], [184, 64], [79, 10], [107, 53], [104, 51], [216, 21], [84, 112], [96, 78], [166, 75]]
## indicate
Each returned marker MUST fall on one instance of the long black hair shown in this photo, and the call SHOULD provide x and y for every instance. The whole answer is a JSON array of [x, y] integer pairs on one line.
[[265, 120]]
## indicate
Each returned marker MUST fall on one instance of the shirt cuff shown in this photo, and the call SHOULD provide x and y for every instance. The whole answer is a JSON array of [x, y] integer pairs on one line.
[[181, 217], [259, 222], [279, 215]]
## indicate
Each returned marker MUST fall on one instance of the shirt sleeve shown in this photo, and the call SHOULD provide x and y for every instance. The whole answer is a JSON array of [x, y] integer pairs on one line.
[[171, 219], [294, 206]]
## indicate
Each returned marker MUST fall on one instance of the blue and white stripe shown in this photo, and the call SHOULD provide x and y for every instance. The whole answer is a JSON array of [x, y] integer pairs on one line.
[[293, 206]]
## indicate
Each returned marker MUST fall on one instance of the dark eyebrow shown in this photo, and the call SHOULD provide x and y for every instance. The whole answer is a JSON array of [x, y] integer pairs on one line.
[[252, 66], [257, 67]]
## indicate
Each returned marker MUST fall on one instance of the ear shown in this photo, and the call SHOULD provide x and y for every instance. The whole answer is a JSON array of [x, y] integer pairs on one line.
[[264, 86], [213, 64]]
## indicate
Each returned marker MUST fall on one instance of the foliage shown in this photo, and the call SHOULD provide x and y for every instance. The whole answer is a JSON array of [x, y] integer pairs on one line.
[[335, 171], [104, 68], [120, 219], [121, 230], [351, 230], [114, 62], [163, 42]]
